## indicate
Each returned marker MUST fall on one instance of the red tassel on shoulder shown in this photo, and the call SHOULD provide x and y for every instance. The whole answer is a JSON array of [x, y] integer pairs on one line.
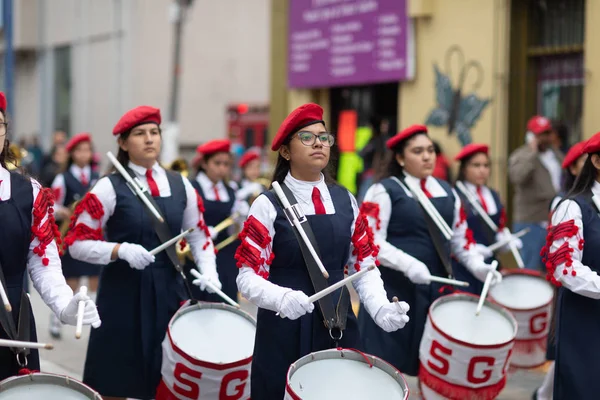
[[363, 241], [371, 210], [563, 255], [248, 255], [462, 217], [48, 231], [78, 231], [255, 230]]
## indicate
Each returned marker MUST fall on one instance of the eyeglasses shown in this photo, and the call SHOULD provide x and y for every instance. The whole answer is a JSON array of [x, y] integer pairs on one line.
[[309, 138], [3, 128]]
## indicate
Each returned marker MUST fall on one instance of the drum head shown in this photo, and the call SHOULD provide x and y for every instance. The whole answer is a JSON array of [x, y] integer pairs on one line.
[[522, 290], [310, 377], [206, 331], [46, 387]]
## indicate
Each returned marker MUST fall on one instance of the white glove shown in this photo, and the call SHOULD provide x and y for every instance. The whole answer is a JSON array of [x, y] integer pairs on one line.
[[213, 234], [503, 235], [483, 250], [242, 209], [392, 316], [90, 314], [480, 269], [294, 304], [208, 277], [137, 256], [418, 273]]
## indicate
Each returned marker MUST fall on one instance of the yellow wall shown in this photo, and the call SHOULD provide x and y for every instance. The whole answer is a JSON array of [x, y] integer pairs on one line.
[[479, 28], [591, 100]]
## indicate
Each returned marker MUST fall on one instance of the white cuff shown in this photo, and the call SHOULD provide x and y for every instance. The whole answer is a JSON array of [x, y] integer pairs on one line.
[[371, 291], [260, 291]]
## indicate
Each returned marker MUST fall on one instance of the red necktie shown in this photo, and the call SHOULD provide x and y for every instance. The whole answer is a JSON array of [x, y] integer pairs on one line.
[[83, 179], [217, 198], [424, 189], [152, 184], [481, 199], [316, 198]]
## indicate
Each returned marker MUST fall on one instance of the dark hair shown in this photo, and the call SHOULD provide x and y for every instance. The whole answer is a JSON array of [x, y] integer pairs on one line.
[[584, 182], [7, 155], [463, 165], [122, 155], [283, 166], [390, 166]]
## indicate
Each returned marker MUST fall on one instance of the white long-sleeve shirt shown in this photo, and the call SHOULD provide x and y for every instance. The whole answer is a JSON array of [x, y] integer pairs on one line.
[[99, 252], [48, 280], [265, 294], [487, 195], [579, 278], [395, 258]]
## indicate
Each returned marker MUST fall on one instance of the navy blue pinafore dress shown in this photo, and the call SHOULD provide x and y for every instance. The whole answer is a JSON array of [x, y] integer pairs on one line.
[[15, 238], [124, 355], [482, 235], [280, 342], [408, 232], [215, 212], [578, 324], [75, 191]]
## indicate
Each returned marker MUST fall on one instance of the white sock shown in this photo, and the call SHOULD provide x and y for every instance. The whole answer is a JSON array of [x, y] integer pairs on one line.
[[545, 391]]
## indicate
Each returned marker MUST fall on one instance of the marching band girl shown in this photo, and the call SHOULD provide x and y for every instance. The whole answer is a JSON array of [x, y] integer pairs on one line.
[[249, 163], [139, 292], [474, 172], [69, 187], [219, 204], [273, 273], [571, 259], [572, 165], [406, 246], [27, 243]]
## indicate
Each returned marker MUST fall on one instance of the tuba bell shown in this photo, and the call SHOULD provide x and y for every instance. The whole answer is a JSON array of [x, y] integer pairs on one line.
[[180, 165]]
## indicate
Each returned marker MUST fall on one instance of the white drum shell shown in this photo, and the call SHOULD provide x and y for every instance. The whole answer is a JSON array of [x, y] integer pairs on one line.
[[45, 386], [185, 377], [533, 323], [455, 369], [317, 383]]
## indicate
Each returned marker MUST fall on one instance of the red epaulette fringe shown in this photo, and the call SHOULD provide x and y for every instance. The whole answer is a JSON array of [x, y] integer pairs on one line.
[[363, 241], [48, 231], [371, 210], [93, 206], [563, 254]]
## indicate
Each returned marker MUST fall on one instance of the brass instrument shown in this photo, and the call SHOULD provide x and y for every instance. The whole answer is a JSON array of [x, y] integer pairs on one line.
[[19, 153], [180, 165]]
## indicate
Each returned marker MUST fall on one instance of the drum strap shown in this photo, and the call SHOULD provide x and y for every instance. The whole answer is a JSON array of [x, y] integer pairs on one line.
[[164, 234], [332, 318], [22, 331], [490, 234], [439, 242]]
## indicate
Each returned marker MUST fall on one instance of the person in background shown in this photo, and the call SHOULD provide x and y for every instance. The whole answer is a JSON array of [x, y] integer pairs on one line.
[[560, 136], [249, 164], [442, 165], [373, 154], [535, 171], [37, 154], [56, 164]]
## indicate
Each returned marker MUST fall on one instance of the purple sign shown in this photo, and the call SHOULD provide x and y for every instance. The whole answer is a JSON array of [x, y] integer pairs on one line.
[[345, 42]]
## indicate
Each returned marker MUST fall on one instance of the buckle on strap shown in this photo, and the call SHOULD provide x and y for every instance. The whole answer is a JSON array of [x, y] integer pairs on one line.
[[294, 212], [336, 330], [23, 363]]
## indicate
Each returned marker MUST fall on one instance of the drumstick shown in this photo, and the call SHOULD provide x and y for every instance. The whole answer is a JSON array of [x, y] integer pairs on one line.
[[486, 287], [501, 243], [27, 345], [449, 281], [80, 309], [215, 289], [170, 242], [336, 286], [5, 298]]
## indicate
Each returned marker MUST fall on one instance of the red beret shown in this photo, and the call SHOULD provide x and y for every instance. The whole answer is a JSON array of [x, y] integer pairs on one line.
[[593, 144], [405, 134], [137, 116], [301, 117], [538, 124], [3, 102], [214, 146], [76, 139], [248, 156], [471, 149], [574, 153]]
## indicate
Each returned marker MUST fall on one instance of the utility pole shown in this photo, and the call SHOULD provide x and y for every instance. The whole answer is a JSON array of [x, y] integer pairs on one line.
[[170, 148], [9, 55]]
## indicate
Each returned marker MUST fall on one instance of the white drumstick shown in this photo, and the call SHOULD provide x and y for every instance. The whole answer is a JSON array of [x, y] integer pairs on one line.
[[501, 243], [26, 345], [5, 298], [215, 289], [336, 286], [170, 242], [486, 288], [449, 281], [80, 309]]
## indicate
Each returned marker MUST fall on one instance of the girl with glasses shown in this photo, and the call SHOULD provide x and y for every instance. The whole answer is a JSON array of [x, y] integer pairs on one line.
[[273, 274]]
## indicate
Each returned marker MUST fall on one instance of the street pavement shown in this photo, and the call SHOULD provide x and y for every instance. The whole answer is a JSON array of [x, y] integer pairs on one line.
[[68, 356]]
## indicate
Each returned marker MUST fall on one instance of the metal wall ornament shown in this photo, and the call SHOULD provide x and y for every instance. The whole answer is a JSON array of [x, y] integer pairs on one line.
[[459, 114]]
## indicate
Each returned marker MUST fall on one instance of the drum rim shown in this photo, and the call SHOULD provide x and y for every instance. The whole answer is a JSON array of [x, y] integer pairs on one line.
[[43, 377], [188, 307], [473, 298], [534, 274], [350, 354]]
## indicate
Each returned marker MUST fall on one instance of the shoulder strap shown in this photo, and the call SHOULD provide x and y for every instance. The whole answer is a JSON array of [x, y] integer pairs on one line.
[[331, 318], [20, 332], [488, 232], [439, 242]]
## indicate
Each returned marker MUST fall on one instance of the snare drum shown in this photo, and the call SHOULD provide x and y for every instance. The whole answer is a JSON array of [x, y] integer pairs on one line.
[[45, 386], [528, 296], [464, 356], [207, 353], [364, 377]]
